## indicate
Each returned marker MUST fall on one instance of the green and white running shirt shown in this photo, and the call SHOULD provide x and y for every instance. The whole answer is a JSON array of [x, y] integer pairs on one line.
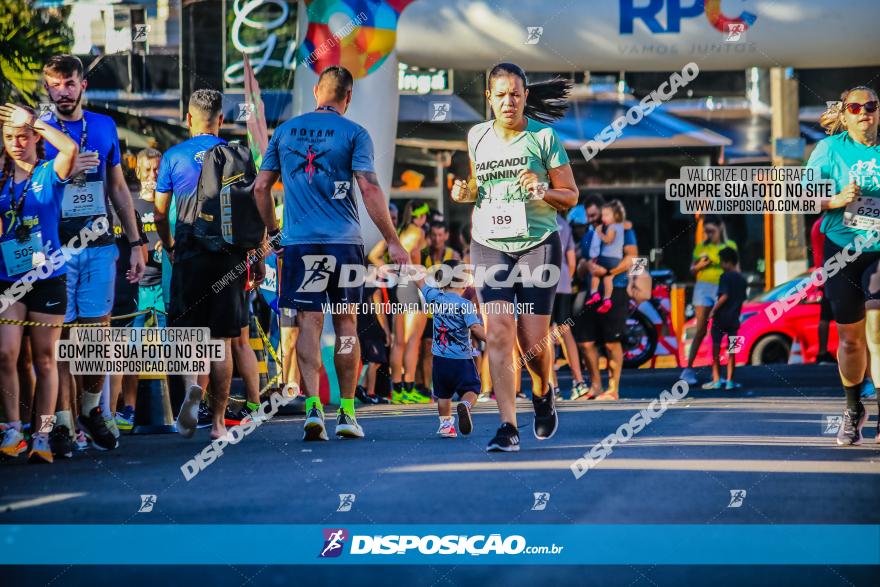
[[504, 217]]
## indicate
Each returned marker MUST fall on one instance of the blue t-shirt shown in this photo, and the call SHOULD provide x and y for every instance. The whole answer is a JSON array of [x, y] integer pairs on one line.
[[453, 318], [843, 160], [179, 173], [316, 154], [41, 212], [102, 138], [629, 239]]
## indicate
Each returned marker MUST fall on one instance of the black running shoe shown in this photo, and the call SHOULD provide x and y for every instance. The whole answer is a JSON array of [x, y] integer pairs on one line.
[[234, 417], [850, 432], [506, 439], [60, 442], [360, 392], [546, 418], [206, 417], [465, 424], [96, 430]]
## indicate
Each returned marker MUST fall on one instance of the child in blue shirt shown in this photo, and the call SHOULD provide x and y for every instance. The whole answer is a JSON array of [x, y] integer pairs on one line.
[[606, 251], [454, 372]]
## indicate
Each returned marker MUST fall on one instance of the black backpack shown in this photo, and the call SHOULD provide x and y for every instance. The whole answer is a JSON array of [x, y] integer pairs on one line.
[[226, 213]]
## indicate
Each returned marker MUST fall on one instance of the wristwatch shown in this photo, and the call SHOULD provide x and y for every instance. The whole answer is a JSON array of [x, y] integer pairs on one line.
[[274, 240], [136, 243]]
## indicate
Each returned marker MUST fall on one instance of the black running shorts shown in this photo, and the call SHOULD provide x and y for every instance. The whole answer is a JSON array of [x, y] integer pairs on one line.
[[855, 287], [207, 291], [497, 266]]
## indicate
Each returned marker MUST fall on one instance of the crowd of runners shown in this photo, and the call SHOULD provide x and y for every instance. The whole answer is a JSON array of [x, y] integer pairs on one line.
[[87, 236]]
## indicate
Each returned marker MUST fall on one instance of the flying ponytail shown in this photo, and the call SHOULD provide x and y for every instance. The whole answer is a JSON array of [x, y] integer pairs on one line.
[[547, 100]]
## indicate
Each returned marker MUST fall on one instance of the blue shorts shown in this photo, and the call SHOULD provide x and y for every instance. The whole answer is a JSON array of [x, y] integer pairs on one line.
[[91, 280], [310, 276], [705, 294], [451, 376]]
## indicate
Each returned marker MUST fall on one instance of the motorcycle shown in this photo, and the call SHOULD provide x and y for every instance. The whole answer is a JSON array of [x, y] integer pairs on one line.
[[646, 320]]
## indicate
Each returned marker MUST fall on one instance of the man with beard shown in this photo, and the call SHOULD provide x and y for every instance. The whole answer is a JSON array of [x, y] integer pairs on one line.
[[97, 180]]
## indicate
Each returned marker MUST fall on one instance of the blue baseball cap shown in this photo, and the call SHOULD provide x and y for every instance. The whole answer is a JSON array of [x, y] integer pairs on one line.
[[577, 215]]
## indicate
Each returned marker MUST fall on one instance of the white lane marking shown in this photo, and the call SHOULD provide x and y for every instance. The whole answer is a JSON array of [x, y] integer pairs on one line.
[[38, 501]]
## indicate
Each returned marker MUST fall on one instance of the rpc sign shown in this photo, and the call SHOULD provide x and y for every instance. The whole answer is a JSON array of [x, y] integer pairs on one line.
[[648, 11]]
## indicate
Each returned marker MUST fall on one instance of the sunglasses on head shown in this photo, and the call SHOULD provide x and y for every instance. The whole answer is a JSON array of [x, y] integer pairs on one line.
[[856, 108]]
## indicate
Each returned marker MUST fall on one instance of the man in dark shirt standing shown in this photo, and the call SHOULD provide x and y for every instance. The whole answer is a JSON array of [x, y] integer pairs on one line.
[[725, 318]]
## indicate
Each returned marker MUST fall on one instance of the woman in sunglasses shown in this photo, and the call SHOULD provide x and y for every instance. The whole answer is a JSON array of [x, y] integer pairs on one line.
[[849, 157], [33, 282]]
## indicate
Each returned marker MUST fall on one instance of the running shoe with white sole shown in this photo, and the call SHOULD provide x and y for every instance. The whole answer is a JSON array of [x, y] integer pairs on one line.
[[689, 376], [188, 417], [12, 443], [112, 427], [506, 439], [95, 428], [579, 389], [850, 432], [484, 397], [313, 427], [465, 423], [60, 442], [447, 429], [41, 451], [546, 418], [347, 426]]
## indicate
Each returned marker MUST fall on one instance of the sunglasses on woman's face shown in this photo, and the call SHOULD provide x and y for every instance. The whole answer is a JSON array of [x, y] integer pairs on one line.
[[856, 108]]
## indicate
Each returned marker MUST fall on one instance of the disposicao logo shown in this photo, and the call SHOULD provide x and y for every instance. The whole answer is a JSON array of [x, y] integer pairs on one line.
[[334, 540]]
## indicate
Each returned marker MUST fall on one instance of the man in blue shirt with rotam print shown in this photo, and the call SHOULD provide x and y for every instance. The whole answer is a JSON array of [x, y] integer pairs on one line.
[[318, 155]]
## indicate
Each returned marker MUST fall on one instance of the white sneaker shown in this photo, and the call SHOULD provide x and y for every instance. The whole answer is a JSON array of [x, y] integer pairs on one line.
[[188, 418], [689, 376], [347, 426], [313, 427], [447, 429], [112, 427]]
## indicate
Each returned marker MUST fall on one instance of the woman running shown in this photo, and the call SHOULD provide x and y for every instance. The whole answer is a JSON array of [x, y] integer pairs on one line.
[[706, 267], [852, 227], [407, 327], [520, 177], [33, 282]]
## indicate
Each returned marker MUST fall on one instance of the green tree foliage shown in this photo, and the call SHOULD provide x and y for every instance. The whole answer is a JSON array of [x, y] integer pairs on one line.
[[28, 37]]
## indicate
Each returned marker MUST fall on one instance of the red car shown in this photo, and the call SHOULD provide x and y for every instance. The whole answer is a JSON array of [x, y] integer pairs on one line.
[[764, 341]]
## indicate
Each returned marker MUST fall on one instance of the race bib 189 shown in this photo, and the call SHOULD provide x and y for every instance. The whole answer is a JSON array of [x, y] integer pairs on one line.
[[83, 200], [19, 257], [500, 219], [863, 213]]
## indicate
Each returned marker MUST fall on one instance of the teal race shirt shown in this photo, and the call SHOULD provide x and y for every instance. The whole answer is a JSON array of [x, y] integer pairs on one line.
[[841, 159], [504, 217]]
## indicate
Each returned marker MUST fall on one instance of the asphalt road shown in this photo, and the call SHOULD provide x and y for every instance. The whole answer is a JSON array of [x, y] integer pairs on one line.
[[769, 440]]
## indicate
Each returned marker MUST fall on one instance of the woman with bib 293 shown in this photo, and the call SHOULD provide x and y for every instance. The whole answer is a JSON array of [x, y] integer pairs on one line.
[[520, 177], [33, 283], [849, 157]]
